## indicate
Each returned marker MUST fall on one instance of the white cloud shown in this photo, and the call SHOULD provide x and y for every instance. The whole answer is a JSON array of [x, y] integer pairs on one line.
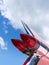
[[28, 11], [46, 33], [34, 12], [5, 27], [3, 45]]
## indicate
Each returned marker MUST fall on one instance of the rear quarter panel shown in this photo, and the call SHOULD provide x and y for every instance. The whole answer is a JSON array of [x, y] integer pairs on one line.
[[43, 61]]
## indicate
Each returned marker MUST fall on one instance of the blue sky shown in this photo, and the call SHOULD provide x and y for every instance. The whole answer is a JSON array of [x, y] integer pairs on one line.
[[9, 55], [33, 12]]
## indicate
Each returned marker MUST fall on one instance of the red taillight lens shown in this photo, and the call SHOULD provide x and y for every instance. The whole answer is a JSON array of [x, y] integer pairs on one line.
[[18, 44], [30, 41]]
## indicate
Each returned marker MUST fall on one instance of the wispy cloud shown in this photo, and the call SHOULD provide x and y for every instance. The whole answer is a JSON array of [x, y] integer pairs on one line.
[[3, 45], [5, 27]]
